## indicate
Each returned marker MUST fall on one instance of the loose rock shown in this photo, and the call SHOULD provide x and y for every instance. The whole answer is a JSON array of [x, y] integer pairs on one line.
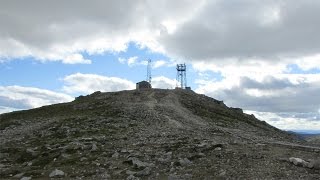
[[56, 173], [115, 155], [185, 162], [132, 177], [94, 148], [300, 162], [138, 164], [25, 178], [145, 172], [18, 175]]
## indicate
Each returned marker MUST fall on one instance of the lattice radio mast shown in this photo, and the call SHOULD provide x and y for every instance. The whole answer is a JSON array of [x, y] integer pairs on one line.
[[181, 76], [149, 71]]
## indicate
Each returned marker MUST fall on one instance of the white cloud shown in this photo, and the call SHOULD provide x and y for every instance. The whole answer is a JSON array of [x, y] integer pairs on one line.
[[158, 63], [76, 59], [89, 83], [132, 60], [163, 82], [288, 122], [18, 97], [122, 60], [163, 63], [308, 62]]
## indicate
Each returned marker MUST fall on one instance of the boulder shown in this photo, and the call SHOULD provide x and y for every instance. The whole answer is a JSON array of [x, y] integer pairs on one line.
[[297, 161], [301, 162], [56, 173], [25, 178]]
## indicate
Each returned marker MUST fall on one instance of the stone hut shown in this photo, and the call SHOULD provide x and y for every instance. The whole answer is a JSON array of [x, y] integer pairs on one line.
[[143, 85]]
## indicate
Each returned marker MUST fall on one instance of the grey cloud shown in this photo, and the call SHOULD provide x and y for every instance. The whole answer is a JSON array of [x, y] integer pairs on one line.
[[269, 82], [54, 29], [290, 98], [227, 29], [41, 24], [204, 29]]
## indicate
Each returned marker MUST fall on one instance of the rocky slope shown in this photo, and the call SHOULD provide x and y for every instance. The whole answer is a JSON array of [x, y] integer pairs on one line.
[[150, 134]]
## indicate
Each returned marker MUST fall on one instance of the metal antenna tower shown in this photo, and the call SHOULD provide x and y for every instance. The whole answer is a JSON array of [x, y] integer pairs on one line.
[[149, 71], [181, 76]]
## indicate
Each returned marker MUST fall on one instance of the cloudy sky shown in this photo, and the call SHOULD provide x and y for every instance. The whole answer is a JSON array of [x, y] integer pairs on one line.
[[262, 56]]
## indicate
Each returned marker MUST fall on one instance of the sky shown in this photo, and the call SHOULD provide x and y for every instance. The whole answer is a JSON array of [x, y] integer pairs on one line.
[[261, 56]]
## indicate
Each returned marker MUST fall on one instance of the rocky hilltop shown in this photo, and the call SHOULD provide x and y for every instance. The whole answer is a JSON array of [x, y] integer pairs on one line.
[[149, 134]]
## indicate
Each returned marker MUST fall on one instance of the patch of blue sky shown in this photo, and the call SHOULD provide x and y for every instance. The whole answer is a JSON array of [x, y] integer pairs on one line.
[[214, 76], [32, 73], [139, 72], [48, 75], [294, 69]]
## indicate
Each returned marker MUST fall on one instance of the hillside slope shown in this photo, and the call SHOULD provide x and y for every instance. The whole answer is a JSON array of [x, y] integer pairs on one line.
[[151, 134]]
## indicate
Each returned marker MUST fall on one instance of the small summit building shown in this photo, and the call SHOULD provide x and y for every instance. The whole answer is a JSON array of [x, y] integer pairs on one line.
[[143, 85]]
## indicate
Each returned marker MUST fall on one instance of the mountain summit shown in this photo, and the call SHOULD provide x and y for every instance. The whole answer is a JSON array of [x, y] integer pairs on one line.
[[149, 134]]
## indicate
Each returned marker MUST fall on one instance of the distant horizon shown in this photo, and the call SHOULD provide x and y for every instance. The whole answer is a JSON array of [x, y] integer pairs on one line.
[[313, 132]]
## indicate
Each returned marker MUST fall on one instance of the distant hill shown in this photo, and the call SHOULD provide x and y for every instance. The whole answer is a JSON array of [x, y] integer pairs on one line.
[[148, 134], [312, 138]]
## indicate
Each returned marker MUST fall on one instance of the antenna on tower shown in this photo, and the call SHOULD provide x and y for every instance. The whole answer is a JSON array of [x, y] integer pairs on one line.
[[181, 76], [149, 71]]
